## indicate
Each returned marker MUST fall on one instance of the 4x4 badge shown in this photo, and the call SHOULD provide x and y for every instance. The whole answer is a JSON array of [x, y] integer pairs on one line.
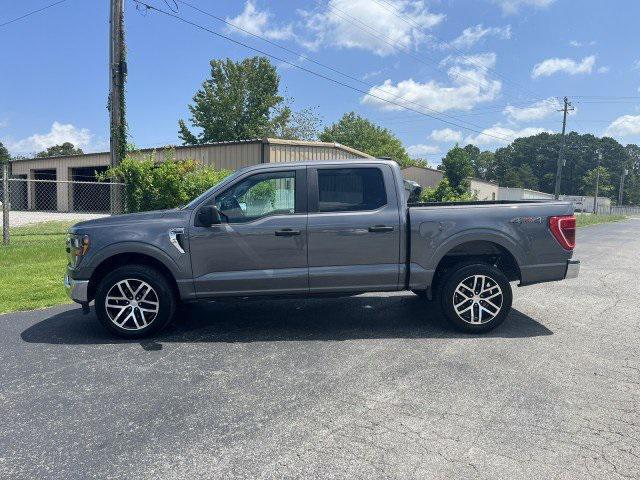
[[526, 220]]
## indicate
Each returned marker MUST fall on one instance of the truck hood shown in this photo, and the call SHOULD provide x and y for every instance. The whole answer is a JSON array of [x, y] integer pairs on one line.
[[133, 218]]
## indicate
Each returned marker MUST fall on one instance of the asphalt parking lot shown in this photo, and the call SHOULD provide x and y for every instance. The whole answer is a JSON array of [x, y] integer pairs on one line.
[[375, 386]]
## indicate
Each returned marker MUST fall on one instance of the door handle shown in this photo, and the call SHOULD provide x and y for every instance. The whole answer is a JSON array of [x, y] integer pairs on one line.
[[380, 228], [287, 232]]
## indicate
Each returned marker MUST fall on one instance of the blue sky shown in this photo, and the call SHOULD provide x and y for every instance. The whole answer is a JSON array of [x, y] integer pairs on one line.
[[493, 69]]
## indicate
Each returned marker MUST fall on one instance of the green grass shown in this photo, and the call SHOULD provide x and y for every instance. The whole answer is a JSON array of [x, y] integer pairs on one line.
[[32, 267], [587, 219]]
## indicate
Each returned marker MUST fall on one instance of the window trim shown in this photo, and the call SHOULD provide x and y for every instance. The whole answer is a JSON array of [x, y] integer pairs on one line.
[[314, 188]]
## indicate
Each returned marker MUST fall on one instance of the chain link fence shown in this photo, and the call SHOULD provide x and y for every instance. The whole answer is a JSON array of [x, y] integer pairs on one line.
[[33, 200], [626, 210]]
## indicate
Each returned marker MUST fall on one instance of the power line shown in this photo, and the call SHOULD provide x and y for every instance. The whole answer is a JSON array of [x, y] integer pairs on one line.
[[31, 13], [389, 41], [304, 69], [400, 14], [328, 67], [607, 97]]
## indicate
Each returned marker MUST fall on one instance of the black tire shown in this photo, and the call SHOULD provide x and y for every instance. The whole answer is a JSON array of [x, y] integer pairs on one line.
[[136, 275], [478, 307]]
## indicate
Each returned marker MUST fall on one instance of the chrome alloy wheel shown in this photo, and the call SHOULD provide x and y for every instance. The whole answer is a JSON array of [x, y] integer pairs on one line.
[[132, 304], [477, 299]]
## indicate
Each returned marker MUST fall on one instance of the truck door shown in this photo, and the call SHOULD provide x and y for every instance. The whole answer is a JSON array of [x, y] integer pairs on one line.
[[261, 245], [353, 229]]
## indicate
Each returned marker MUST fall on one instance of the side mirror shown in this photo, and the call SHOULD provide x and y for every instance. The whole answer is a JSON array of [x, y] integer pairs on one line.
[[209, 215]]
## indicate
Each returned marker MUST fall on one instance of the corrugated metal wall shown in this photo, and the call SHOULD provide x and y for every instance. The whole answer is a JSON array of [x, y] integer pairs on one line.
[[285, 152], [425, 177], [230, 156]]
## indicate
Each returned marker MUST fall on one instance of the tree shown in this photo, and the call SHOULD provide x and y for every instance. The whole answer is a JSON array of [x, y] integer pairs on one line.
[[67, 148], [527, 178], [301, 125], [540, 153], [473, 153], [604, 184], [484, 166], [4, 154], [357, 132], [239, 101], [512, 179], [457, 168]]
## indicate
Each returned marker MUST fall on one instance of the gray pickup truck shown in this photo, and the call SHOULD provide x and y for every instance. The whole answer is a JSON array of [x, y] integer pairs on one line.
[[317, 228]]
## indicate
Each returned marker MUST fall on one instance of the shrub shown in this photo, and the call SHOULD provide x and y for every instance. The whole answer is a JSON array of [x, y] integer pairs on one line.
[[155, 186], [444, 193]]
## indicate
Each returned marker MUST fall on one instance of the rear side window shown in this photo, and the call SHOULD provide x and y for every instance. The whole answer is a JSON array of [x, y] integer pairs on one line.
[[350, 189]]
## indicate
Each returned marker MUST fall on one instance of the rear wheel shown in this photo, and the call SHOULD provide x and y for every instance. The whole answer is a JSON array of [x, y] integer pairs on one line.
[[135, 301], [476, 298]]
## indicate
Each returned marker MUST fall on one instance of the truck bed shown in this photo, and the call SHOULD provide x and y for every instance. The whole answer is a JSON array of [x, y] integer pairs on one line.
[[514, 228]]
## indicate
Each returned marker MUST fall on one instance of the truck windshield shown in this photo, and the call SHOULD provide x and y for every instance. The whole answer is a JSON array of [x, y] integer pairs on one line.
[[203, 195]]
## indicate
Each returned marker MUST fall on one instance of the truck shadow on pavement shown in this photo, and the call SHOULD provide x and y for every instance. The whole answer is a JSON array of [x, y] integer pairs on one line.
[[252, 320]]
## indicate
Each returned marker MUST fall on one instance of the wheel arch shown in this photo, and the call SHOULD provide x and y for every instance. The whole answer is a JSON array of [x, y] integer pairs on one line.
[[130, 255], [485, 246]]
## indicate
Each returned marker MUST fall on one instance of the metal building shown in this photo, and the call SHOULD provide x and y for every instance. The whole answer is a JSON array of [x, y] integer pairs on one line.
[[426, 177], [66, 195]]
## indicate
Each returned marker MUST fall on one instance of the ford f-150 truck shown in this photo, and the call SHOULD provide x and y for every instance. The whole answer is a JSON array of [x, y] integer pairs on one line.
[[317, 228]]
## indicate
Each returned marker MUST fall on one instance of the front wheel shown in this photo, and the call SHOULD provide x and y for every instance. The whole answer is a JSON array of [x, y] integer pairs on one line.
[[135, 301], [476, 298]]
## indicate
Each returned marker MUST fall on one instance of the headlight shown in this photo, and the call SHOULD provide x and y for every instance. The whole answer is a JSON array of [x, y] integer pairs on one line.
[[77, 247]]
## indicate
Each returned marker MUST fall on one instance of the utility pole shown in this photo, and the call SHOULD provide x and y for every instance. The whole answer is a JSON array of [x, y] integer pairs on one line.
[[621, 192], [117, 74], [567, 108], [595, 198]]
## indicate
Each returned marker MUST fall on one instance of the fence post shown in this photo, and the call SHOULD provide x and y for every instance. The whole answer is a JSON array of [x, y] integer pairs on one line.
[[5, 204]]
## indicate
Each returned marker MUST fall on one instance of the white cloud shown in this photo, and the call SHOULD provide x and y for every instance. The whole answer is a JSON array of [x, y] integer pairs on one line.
[[379, 27], [513, 6], [567, 65], [577, 44], [422, 149], [259, 23], [624, 126], [472, 35], [535, 111], [469, 86], [604, 69], [446, 135], [369, 75], [4, 123], [59, 133], [636, 65], [505, 135]]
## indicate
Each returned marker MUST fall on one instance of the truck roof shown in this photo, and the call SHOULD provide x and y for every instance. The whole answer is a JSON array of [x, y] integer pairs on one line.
[[340, 162]]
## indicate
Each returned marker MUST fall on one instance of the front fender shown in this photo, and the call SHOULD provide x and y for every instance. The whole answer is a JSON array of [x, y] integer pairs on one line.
[[129, 247]]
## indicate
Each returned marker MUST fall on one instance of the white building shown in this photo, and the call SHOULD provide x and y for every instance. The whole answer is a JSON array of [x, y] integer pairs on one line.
[[517, 193], [483, 189]]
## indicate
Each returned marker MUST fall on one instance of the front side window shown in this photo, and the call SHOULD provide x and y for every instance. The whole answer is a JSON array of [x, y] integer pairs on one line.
[[350, 189], [257, 196]]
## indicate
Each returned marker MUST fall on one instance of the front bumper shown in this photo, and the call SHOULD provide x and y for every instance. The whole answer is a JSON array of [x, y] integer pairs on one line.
[[77, 290], [573, 269]]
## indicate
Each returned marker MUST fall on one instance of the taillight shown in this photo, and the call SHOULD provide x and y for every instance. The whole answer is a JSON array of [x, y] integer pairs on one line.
[[564, 230]]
